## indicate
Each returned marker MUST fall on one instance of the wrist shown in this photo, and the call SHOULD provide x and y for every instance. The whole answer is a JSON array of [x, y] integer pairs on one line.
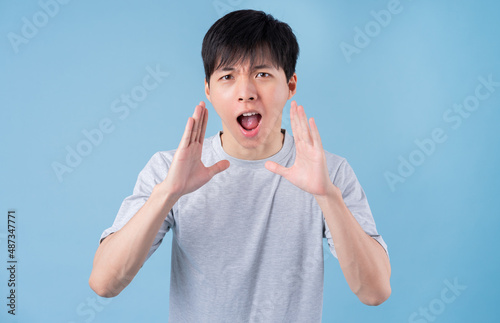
[[164, 196], [332, 193]]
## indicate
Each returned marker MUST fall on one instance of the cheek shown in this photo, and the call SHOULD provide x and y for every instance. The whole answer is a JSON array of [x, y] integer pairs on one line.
[[279, 94], [221, 95], [221, 100]]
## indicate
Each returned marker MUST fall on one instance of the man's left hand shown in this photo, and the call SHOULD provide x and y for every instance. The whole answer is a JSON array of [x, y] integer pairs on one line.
[[309, 171]]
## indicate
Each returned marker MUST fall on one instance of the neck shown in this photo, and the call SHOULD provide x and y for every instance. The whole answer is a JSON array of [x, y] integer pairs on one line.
[[262, 151]]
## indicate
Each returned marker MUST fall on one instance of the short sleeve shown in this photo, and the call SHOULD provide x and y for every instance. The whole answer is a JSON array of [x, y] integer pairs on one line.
[[153, 173], [356, 201]]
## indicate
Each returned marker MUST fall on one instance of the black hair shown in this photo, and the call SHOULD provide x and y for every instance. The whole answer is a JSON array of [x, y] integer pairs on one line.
[[249, 34]]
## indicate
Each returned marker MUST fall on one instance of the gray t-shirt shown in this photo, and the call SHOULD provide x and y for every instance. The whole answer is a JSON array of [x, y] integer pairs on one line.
[[248, 245]]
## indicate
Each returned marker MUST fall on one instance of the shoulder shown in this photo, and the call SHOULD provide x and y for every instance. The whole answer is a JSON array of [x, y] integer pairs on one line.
[[161, 159], [154, 171], [334, 161], [341, 172]]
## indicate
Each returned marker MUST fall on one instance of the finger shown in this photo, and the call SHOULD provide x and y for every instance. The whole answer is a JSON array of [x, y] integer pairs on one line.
[[199, 126], [315, 134], [202, 120], [186, 137], [204, 125], [277, 168], [304, 127], [196, 117], [218, 167]]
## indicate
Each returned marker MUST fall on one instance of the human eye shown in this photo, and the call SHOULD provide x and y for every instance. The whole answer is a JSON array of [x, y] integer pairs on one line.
[[263, 74], [226, 77]]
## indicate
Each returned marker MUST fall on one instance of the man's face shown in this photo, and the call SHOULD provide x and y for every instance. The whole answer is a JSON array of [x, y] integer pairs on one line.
[[250, 101]]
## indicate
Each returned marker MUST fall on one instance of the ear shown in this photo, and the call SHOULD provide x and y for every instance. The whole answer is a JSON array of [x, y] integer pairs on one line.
[[292, 86], [207, 90]]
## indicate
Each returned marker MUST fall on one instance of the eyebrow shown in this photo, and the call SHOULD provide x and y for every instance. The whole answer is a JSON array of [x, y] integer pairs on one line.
[[258, 67], [230, 68]]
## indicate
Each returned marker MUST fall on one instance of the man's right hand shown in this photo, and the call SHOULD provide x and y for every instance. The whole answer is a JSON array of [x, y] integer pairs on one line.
[[120, 256], [187, 172]]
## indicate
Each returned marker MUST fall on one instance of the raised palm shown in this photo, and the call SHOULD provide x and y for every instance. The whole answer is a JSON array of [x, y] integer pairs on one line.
[[187, 172], [309, 171]]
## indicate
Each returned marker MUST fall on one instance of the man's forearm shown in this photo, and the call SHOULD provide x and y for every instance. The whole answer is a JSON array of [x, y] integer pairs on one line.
[[120, 256], [363, 260]]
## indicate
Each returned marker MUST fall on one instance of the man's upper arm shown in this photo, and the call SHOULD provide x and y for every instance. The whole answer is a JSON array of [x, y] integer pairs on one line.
[[355, 199], [152, 174]]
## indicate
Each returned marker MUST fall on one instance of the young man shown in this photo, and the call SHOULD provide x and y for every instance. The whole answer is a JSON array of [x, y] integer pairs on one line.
[[248, 229]]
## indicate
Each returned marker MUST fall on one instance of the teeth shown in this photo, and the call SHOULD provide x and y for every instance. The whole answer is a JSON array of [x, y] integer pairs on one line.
[[249, 114]]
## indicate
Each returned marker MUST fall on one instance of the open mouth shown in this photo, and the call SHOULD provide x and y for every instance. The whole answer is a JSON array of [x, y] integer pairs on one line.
[[249, 121]]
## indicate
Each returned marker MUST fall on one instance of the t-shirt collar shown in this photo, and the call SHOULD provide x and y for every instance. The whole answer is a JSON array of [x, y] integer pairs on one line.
[[279, 157]]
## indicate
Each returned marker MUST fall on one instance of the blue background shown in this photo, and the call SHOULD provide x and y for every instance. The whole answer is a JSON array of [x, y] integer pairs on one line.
[[440, 221]]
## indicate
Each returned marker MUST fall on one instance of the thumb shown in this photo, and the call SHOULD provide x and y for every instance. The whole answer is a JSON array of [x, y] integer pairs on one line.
[[276, 168], [218, 167]]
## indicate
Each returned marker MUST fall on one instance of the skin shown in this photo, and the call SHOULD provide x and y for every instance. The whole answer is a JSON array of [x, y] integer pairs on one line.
[[362, 259], [241, 88]]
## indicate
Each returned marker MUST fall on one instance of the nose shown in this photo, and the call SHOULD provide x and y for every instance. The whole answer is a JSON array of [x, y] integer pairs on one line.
[[246, 90]]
